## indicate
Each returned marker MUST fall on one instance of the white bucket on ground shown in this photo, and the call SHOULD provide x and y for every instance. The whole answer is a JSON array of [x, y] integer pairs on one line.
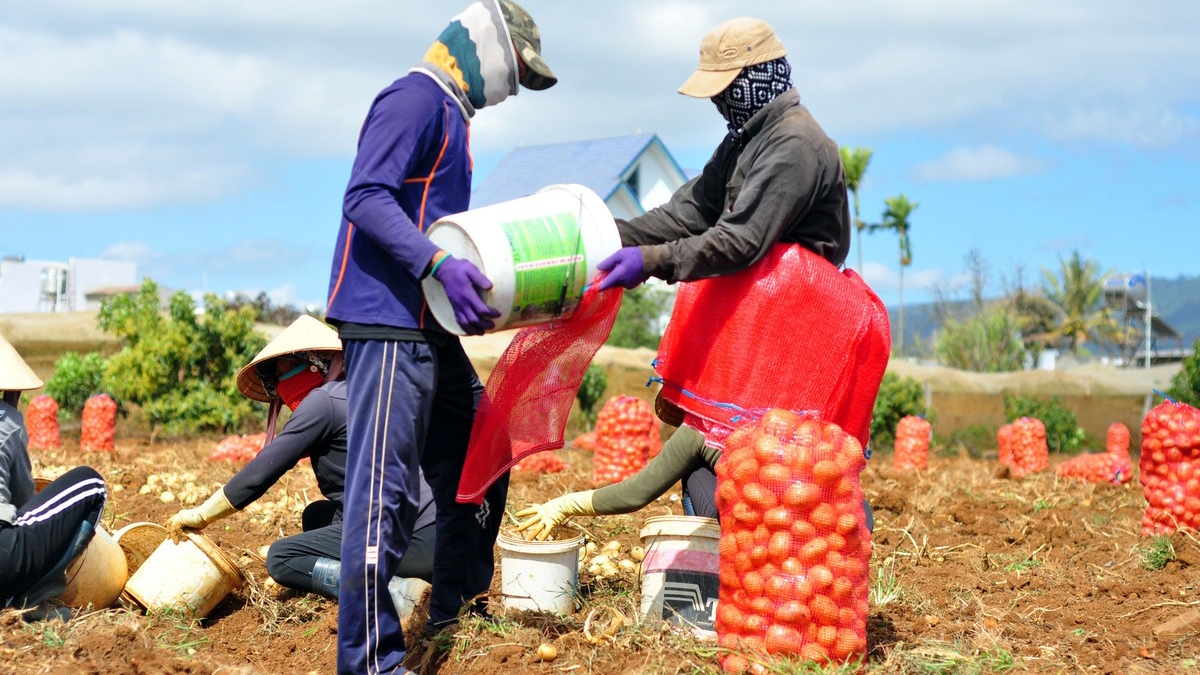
[[138, 541], [680, 573], [539, 575], [98, 575], [538, 251], [193, 576]]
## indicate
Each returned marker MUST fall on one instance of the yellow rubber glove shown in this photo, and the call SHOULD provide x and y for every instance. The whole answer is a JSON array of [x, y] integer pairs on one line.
[[214, 508], [541, 519]]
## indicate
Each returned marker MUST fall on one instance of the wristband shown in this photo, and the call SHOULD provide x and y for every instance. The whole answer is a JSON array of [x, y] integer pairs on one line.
[[439, 264]]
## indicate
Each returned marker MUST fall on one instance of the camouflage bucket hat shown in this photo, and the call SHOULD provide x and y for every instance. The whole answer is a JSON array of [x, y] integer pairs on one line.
[[524, 31]]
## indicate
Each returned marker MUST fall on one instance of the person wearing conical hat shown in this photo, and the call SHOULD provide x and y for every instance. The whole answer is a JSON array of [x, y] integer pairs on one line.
[[302, 369], [40, 532]]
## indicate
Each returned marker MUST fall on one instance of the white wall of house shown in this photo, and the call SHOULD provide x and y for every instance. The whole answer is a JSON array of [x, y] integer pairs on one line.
[[32, 286]]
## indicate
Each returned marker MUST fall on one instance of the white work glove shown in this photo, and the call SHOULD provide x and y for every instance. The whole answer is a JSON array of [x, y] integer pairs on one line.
[[541, 519], [214, 508]]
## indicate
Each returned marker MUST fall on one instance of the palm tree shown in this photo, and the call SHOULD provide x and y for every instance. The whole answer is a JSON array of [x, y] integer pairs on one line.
[[855, 162], [895, 217], [1077, 295]]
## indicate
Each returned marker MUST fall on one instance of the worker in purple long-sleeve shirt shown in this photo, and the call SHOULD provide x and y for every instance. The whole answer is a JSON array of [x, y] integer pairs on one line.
[[412, 392]]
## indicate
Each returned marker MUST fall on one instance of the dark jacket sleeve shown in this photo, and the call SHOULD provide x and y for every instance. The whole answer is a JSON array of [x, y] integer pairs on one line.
[[400, 129], [683, 452], [309, 427]]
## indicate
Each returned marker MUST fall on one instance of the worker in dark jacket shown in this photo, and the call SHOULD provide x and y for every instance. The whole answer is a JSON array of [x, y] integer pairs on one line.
[[412, 391], [301, 369], [41, 532]]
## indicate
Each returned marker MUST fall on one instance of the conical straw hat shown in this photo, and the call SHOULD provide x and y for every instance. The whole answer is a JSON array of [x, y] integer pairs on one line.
[[306, 334], [15, 374]]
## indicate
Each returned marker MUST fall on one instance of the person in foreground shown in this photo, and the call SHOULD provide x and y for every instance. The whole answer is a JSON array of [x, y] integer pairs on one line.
[[41, 532], [301, 368], [412, 392]]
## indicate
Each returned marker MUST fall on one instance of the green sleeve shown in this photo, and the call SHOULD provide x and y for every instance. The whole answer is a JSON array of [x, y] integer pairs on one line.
[[683, 452]]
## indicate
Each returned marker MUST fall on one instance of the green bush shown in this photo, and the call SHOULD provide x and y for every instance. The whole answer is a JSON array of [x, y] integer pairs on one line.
[[76, 379], [1063, 433], [975, 438], [181, 367], [639, 322], [595, 381], [898, 397], [1185, 386], [986, 343]]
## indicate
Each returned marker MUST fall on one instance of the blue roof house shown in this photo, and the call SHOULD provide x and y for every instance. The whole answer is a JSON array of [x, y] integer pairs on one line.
[[632, 174]]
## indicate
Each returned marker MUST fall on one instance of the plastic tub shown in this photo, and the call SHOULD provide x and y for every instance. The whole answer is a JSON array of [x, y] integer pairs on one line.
[[538, 251], [97, 576], [539, 575], [138, 541], [193, 576], [681, 571]]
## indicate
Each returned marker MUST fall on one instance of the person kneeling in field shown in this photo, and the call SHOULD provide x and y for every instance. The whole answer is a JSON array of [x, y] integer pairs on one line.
[[684, 457], [41, 532], [302, 369]]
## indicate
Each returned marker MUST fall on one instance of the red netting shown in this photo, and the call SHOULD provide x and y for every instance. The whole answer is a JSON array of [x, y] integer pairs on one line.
[[912, 443], [626, 434], [238, 448], [1030, 453], [1112, 466], [41, 421], [530, 391], [789, 332], [546, 461], [795, 549], [1170, 468], [99, 424], [1004, 445]]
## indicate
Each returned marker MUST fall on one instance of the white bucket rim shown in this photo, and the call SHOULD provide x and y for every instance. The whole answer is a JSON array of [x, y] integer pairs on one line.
[[681, 526], [518, 545]]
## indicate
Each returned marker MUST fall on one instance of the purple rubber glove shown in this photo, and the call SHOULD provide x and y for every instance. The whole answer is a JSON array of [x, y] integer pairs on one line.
[[464, 283], [625, 269]]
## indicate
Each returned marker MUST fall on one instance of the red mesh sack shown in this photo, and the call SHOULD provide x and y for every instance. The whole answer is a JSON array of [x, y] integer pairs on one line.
[[794, 548], [1113, 466], [41, 421], [585, 441], [546, 461], [1170, 468], [791, 332], [625, 431], [1030, 453], [912, 443], [1004, 445], [238, 448], [530, 392], [99, 424]]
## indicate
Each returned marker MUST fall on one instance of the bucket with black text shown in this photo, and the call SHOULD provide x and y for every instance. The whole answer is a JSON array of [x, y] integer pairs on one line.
[[538, 251], [681, 571]]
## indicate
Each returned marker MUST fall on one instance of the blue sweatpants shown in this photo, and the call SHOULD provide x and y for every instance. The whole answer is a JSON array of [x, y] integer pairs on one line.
[[409, 404]]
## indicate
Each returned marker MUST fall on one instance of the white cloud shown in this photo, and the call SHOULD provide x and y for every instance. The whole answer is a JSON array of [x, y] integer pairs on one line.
[[974, 164], [885, 280]]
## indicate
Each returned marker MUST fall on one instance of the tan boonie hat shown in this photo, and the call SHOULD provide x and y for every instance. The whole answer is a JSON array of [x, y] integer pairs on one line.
[[529, 46], [306, 334], [15, 374], [729, 48]]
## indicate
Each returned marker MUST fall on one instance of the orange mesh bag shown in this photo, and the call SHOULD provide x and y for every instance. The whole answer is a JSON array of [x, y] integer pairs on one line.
[[794, 548], [546, 461], [530, 392], [1170, 468], [41, 421], [791, 332], [585, 441], [1113, 466], [1004, 445], [1030, 453], [99, 424], [625, 431], [912, 443], [238, 448]]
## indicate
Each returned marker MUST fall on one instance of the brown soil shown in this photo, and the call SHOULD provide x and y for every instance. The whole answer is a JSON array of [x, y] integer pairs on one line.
[[987, 569]]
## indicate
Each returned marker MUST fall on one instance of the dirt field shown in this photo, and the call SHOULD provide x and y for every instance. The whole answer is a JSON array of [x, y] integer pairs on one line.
[[972, 572]]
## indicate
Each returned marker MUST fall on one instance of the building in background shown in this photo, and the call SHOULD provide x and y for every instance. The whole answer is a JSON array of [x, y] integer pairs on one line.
[[77, 285]]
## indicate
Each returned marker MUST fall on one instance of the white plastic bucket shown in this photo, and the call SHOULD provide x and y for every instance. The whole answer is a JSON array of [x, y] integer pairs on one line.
[[538, 251], [138, 541], [98, 575], [193, 576], [541, 576], [680, 573]]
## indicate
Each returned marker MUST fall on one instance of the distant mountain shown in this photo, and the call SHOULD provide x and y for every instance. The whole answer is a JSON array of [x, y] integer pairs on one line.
[[1176, 301]]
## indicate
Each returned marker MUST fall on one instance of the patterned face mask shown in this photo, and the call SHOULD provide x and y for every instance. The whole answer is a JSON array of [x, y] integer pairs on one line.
[[752, 89]]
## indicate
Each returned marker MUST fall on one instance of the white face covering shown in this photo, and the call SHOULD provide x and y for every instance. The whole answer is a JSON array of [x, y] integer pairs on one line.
[[474, 58]]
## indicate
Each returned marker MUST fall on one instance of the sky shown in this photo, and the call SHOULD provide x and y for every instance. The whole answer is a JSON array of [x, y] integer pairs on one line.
[[210, 141]]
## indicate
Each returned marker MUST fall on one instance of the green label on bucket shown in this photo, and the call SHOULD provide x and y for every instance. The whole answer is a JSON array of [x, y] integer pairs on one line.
[[549, 264]]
